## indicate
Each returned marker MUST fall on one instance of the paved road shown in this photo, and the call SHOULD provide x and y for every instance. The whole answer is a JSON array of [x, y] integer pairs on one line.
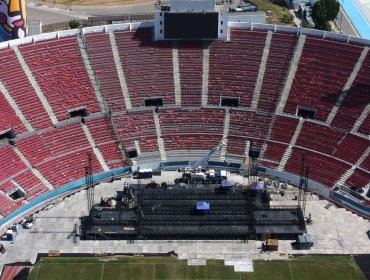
[[50, 13], [60, 13], [344, 24], [142, 8]]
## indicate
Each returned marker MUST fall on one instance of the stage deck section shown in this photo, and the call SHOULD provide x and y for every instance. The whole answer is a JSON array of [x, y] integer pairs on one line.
[[171, 213]]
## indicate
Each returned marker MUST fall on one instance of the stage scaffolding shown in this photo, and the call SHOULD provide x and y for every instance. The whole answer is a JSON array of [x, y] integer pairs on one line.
[[170, 214]]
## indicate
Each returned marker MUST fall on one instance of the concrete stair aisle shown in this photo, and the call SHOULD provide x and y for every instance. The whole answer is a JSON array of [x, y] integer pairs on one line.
[[33, 170], [176, 73], [297, 131], [138, 151], [363, 157], [293, 69], [285, 159], [162, 150], [97, 152], [245, 164], [90, 72], [35, 85], [367, 187], [225, 136], [247, 148], [350, 171], [205, 76], [289, 150], [14, 105], [261, 73], [361, 119], [348, 85], [137, 147], [345, 176], [121, 74]]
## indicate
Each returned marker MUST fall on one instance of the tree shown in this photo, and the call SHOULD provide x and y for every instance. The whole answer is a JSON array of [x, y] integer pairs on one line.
[[287, 18], [73, 23], [324, 11]]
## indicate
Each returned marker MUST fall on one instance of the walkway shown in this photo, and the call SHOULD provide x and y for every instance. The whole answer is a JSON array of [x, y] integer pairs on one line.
[[358, 12]]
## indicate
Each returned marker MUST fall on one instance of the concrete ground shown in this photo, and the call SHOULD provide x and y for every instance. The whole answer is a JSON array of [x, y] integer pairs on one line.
[[344, 25], [50, 15], [54, 13], [334, 231]]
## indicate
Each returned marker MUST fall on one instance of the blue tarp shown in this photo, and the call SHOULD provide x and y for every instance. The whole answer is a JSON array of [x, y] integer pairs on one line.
[[357, 17], [258, 186], [201, 205], [227, 183]]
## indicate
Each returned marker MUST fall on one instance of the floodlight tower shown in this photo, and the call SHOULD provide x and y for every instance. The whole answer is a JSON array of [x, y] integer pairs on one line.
[[303, 184]]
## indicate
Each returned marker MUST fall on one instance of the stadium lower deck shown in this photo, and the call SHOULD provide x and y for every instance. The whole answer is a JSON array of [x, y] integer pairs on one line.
[[334, 231]]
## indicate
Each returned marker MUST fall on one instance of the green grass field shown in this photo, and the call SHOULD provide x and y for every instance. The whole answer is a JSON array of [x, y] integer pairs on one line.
[[302, 268]]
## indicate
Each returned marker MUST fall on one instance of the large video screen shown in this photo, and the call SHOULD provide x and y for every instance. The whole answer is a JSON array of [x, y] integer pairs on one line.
[[190, 25]]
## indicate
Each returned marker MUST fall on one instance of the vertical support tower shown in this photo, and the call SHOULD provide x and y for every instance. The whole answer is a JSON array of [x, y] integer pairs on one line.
[[89, 182]]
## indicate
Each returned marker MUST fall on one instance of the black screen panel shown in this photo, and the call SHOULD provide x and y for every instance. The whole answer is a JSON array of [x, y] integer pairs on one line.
[[230, 101], [190, 25], [153, 102], [306, 113]]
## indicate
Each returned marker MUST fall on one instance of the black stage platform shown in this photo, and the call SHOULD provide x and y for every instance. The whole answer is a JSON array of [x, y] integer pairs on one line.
[[170, 214]]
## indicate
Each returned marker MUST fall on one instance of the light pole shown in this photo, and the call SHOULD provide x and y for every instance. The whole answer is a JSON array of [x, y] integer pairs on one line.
[[301, 6], [341, 17], [300, 3]]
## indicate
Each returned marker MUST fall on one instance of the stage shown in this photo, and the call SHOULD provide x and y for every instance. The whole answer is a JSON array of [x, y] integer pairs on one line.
[[173, 214]]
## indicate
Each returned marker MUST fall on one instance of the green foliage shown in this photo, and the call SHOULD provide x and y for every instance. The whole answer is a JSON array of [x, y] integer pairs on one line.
[[324, 11], [73, 23], [306, 24], [281, 3], [287, 18]]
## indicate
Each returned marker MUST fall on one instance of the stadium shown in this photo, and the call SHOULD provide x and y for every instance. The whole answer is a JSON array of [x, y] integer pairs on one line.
[[87, 112]]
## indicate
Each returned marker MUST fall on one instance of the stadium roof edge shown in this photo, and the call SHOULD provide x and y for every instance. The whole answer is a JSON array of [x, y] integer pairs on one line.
[[137, 25]]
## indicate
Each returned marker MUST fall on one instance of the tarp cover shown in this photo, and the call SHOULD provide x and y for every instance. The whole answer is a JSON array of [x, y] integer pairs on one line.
[[227, 183], [201, 205], [258, 186]]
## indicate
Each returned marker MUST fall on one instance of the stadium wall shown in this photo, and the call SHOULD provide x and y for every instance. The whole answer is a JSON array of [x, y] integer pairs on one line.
[[43, 200], [231, 24]]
